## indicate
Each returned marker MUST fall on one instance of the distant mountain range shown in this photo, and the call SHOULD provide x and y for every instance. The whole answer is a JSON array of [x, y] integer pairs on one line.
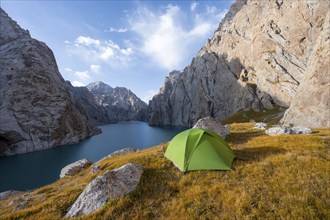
[[104, 104], [120, 102]]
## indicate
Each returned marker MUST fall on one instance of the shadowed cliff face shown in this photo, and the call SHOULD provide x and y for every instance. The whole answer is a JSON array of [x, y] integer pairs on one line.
[[36, 111], [86, 104], [210, 86], [262, 50]]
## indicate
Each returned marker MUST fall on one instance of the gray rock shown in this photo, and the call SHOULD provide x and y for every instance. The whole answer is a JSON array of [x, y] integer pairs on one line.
[[74, 168], [96, 168], [254, 60], [120, 102], [260, 126], [110, 185], [122, 151], [300, 130], [211, 124], [286, 130], [208, 87], [35, 105], [6, 194], [311, 105], [277, 131], [85, 102], [119, 152]]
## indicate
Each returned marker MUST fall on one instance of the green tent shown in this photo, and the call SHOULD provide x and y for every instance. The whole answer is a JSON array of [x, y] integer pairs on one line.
[[199, 149]]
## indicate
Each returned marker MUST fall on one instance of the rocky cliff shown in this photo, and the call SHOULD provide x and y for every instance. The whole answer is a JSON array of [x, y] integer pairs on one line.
[[85, 102], [311, 104], [120, 102], [36, 111], [259, 56]]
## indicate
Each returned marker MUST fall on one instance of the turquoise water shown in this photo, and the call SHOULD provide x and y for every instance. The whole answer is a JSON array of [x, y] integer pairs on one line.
[[32, 170]]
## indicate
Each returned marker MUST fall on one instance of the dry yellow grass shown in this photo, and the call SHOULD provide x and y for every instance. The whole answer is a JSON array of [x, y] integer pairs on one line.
[[283, 177]]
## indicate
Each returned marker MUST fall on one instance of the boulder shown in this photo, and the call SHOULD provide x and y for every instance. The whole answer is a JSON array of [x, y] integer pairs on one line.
[[122, 151], [300, 130], [211, 124], [284, 130], [74, 168], [110, 185], [96, 168], [260, 126], [277, 131], [6, 194]]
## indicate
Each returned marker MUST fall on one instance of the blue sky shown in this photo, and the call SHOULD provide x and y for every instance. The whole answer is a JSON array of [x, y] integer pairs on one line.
[[133, 44]]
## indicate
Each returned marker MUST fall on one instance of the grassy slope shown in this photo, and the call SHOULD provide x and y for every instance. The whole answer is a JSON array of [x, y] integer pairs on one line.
[[285, 177], [269, 116]]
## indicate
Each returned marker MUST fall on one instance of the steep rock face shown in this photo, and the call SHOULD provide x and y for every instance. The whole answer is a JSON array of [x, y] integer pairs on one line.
[[311, 105], [36, 111], [274, 40], [120, 102], [257, 57], [159, 108], [85, 102], [208, 87]]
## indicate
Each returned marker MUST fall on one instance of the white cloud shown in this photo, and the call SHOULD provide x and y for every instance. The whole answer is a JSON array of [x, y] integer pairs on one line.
[[107, 52], [83, 75], [221, 14], [200, 30], [160, 35], [95, 68], [80, 78], [127, 51], [78, 84], [211, 9], [193, 6], [95, 51], [119, 30], [87, 41], [167, 39], [68, 69]]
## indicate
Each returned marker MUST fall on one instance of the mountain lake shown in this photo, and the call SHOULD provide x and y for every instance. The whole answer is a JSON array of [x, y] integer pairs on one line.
[[28, 171]]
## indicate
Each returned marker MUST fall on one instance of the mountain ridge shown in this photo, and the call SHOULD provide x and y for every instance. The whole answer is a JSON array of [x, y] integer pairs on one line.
[[257, 58], [35, 106], [121, 102]]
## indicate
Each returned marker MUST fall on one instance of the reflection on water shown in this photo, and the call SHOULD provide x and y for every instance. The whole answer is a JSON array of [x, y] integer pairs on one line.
[[31, 170]]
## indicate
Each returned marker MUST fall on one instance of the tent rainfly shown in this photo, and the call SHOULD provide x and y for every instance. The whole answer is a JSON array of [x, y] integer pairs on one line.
[[199, 149]]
